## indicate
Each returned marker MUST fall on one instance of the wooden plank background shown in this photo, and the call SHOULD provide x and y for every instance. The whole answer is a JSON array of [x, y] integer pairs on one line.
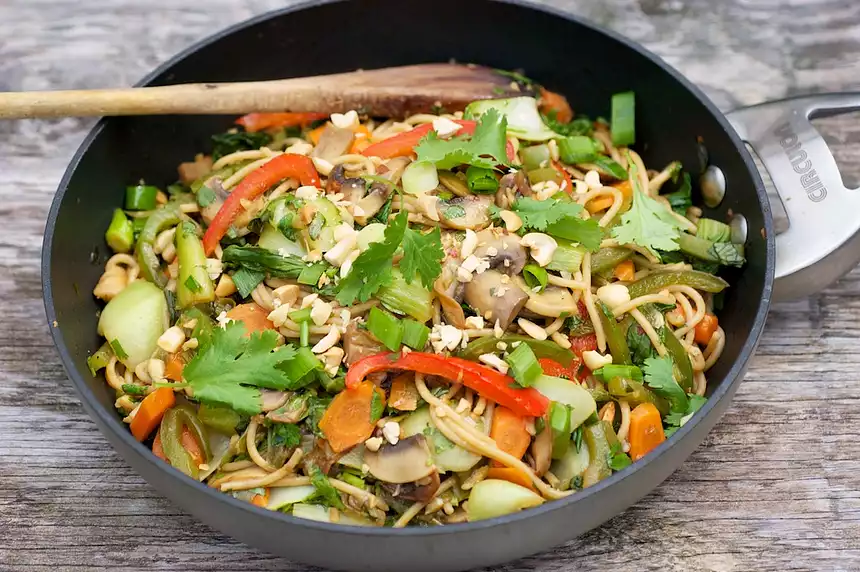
[[775, 487]]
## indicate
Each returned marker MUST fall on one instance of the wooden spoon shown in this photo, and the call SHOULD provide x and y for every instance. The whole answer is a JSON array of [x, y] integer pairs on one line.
[[387, 92]]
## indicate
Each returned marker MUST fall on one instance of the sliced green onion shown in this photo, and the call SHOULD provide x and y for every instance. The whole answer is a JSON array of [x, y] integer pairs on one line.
[[578, 149], [192, 284], [545, 174], [415, 334], [132, 389], [120, 233], [535, 277], [481, 181], [567, 257], [304, 334], [420, 177], [713, 230], [623, 124], [246, 280], [610, 167], [140, 198], [535, 157], [559, 422], [353, 480], [525, 368], [300, 368], [611, 371], [118, 349], [386, 328], [299, 316], [310, 275]]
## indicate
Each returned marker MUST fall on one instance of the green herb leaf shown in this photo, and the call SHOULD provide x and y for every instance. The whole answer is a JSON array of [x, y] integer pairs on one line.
[[618, 459], [485, 148], [648, 224], [682, 199], [678, 419], [422, 255], [285, 435], [325, 493], [316, 407], [132, 389], [659, 377], [193, 284], [536, 215], [205, 196], [728, 254], [639, 344], [580, 126], [535, 277], [234, 140], [454, 211], [233, 367]]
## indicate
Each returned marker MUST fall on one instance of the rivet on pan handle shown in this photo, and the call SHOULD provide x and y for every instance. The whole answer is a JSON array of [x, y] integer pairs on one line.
[[822, 241]]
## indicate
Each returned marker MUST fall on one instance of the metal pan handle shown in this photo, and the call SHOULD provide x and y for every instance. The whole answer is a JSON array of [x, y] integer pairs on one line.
[[822, 241]]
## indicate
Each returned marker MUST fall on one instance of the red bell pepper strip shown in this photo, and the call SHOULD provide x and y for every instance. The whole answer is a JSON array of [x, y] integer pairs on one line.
[[254, 185], [259, 121], [555, 369], [579, 344], [567, 185], [486, 381], [403, 144]]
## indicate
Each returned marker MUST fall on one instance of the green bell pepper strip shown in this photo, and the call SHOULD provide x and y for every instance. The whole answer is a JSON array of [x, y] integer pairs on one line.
[[120, 233], [222, 419], [541, 349], [635, 393], [616, 337], [170, 434], [140, 197], [150, 265], [192, 422], [608, 258], [693, 278], [599, 451], [194, 285], [600, 395], [680, 358], [100, 359]]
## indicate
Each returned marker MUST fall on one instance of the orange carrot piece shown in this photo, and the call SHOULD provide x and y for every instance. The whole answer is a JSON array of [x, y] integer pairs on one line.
[[599, 204], [315, 134], [646, 430], [151, 411], [157, 449], [188, 441], [404, 395], [511, 475], [261, 500], [509, 432], [173, 368], [347, 421], [625, 271], [625, 188], [706, 328], [552, 101], [253, 316]]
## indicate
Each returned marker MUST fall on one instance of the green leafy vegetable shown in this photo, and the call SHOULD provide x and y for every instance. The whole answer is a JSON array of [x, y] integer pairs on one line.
[[234, 140], [264, 260], [284, 435], [535, 277], [422, 255], [610, 167], [578, 149], [537, 215], [728, 254], [682, 199], [316, 407], [454, 211], [580, 126], [618, 459], [372, 269], [648, 224], [133, 389], [246, 280], [676, 420], [485, 148], [233, 367], [659, 377], [386, 328], [639, 344], [205, 196], [325, 493], [118, 350]]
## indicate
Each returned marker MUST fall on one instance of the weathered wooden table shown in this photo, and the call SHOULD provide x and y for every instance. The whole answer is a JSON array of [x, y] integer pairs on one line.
[[775, 487]]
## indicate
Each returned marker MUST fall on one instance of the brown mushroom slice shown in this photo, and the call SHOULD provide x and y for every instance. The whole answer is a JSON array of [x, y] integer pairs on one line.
[[334, 142], [452, 309], [511, 187], [503, 250], [466, 212], [406, 462], [414, 491], [380, 191], [541, 450], [359, 343], [552, 302], [353, 189], [483, 294], [271, 399]]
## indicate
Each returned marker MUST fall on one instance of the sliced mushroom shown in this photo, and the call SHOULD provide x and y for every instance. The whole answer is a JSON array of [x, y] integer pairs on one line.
[[322, 456], [334, 142], [359, 343], [292, 411], [272, 400], [445, 288], [483, 294], [503, 250], [541, 450], [552, 302], [465, 212], [407, 461], [414, 491], [353, 189], [511, 187], [379, 191]]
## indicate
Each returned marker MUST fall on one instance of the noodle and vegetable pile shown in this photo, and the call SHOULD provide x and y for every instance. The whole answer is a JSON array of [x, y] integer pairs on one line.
[[432, 320]]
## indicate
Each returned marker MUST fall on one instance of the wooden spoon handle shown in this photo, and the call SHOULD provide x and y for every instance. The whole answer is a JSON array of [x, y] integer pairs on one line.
[[394, 92]]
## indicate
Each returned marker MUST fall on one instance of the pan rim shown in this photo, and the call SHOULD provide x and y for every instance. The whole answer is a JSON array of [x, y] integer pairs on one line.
[[108, 420]]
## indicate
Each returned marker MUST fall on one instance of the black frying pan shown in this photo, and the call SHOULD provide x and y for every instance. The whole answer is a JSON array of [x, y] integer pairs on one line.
[[674, 121]]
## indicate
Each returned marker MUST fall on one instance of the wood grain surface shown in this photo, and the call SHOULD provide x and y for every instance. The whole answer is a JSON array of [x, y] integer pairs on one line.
[[776, 486]]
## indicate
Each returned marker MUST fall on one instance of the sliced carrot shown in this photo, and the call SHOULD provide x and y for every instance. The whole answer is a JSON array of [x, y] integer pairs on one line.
[[552, 101], [347, 421], [362, 139], [173, 367], [404, 395], [253, 316], [512, 476], [646, 430], [625, 271], [259, 121], [315, 134], [151, 411], [599, 204], [188, 441], [625, 188], [261, 500], [509, 432], [706, 328]]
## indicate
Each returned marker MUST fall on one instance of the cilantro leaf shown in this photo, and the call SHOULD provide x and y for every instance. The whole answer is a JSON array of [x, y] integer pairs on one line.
[[485, 148], [639, 344], [325, 493], [648, 224], [372, 269], [618, 459], [659, 377], [422, 255], [233, 367], [678, 419], [284, 435], [682, 199], [537, 215]]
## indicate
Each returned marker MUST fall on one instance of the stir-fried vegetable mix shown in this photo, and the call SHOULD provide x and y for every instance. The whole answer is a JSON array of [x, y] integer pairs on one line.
[[429, 320]]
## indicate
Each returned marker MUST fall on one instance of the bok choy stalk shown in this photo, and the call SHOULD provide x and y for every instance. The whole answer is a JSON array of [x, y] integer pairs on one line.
[[194, 285], [524, 120], [411, 299], [272, 263], [133, 321]]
